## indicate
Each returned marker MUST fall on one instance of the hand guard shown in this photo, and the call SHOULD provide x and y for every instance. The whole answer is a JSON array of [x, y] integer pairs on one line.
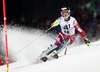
[[87, 42]]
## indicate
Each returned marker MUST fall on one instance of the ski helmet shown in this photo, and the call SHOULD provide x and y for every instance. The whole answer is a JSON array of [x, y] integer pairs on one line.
[[65, 12]]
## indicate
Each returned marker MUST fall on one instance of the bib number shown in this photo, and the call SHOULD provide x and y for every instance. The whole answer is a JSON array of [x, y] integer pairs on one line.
[[66, 28]]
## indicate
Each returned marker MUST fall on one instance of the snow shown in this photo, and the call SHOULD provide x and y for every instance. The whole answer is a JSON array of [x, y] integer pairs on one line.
[[78, 59]]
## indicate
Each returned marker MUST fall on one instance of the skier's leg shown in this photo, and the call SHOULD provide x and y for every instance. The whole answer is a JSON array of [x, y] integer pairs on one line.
[[60, 38], [67, 40], [52, 48]]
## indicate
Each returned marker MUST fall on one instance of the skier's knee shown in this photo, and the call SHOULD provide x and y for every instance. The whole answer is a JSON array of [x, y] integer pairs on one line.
[[66, 41]]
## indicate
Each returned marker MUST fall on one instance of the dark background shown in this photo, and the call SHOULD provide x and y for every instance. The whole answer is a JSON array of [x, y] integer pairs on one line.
[[31, 8]]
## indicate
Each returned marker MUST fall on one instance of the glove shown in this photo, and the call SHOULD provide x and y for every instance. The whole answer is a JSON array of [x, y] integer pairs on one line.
[[87, 42]]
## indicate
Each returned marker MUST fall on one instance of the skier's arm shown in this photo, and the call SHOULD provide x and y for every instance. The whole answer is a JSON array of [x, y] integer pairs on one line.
[[55, 23], [78, 28]]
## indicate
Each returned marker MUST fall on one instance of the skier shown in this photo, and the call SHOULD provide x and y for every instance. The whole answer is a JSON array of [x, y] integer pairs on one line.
[[68, 25]]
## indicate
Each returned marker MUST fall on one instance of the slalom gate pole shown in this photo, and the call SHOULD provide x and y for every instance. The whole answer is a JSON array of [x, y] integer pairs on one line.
[[59, 43], [33, 40], [5, 26]]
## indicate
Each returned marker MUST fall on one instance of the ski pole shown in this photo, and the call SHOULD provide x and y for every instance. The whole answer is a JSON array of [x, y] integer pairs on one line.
[[89, 44], [60, 43], [34, 40], [56, 23], [95, 44]]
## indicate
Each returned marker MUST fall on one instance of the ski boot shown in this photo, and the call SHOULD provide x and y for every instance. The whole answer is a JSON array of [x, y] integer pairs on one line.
[[54, 54], [44, 59]]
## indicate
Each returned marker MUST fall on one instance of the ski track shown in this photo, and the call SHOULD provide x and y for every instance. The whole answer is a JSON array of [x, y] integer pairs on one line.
[[78, 58]]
